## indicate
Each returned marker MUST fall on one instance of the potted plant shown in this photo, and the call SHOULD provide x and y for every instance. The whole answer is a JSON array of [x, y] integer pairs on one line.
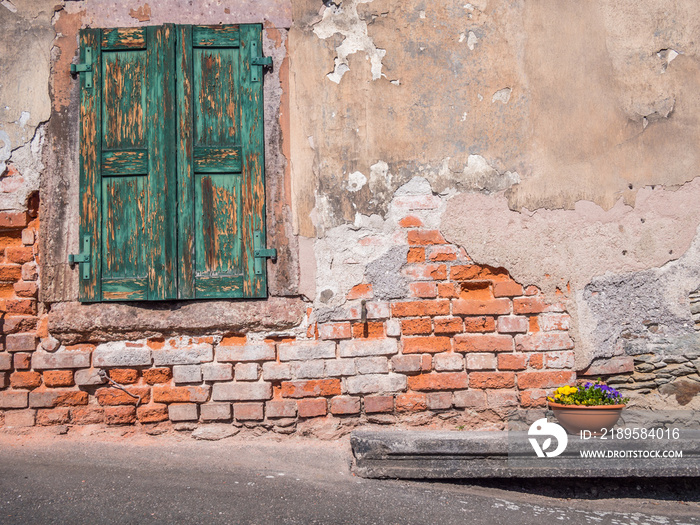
[[592, 407]]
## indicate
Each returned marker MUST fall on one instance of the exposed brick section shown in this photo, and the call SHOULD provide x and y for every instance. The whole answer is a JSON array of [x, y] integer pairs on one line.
[[545, 379], [474, 272], [360, 291], [120, 415], [60, 360], [312, 388], [479, 324], [19, 323], [443, 253], [183, 412], [448, 290], [58, 378], [19, 254], [553, 322], [448, 325], [29, 380], [345, 405], [26, 289], [512, 324], [439, 400], [533, 398], [20, 342], [379, 404], [14, 399], [13, 219], [53, 416], [536, 361], [423, 290], [10, 272], [470, 399], [406, 364], [410, 222], [153, 413], [335, 331], [181, 394], [438, 381], [425, 237], [411, 402], [215, 411], [116, 396], [422, 326], [448, 362], [415, 255], [242, 391], [507, 289], [20, 306], [483, 343], [513, 361], [492, 379], [421, 308], [529, 305], [248, 411], [542, 342], [20, 418], [476, 307], [278, 409], [87, 415], [312, 407], [425, 272], [481, 361], [20, 361], [54, 398], [125, 376], [368, 330], [154, 376], [429, 345]]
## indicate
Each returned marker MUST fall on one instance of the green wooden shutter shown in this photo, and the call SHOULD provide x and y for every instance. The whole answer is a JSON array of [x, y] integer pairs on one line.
[[220, 162], [127, 174]]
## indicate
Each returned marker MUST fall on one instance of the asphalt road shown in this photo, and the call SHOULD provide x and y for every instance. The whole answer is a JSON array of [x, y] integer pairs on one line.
[[139, 479]]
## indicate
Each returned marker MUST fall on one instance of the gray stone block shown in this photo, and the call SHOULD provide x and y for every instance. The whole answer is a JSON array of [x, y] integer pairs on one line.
[[187, 374], [252, 352], [340, 367], [183, 412], [308, 369], [89, 376], [186, 355], [215, 411], [370, 347], [307, 350], [60, 360], [217, 372], [247, 371], [375, 383], [20, 342], [118, 354], [372, 365], [242, 392], [14, 399], [276, 371]]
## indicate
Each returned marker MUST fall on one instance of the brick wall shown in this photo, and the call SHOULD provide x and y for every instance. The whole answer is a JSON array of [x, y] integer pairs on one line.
[[467, 341]]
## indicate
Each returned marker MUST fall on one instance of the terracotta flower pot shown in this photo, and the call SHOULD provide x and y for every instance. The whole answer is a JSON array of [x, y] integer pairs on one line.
[[575, 418]]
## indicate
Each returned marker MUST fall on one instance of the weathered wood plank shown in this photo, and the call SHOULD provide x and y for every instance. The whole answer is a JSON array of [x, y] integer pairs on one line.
[[253, 153], [161, 228], [219, 287], [124, 93], [123, 38], [120, 163], [90, 148], [125, 289], [185, 190], [217, 160], [215, 36]]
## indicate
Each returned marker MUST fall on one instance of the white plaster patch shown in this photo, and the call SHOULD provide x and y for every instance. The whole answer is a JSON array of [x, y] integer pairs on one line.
[[502, 95], [344, 20], [356, 180], [472, 40], [9, 5], [24, 118]]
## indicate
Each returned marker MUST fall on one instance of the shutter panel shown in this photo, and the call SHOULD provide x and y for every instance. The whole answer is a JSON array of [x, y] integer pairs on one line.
[[220, 162], [127, 168]]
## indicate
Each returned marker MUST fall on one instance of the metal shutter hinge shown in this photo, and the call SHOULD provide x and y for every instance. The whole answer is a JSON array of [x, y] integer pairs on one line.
[[261, 253], [257, 63], [82, 258], [84, 67]]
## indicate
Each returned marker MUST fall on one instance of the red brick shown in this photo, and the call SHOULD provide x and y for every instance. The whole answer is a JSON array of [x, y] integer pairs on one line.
[[360, 291], [153, 376], [276, 409], [529, 305], [479, 324], [52, 416], [415, 255], [411, 402], [421, 308], [406, 364], [26, 289], [27, 380], [443, 253], [448, 325], [13, 219], [374, 404], [116, 396], [19, 254], [311, 388], [511, 324], [19, 323], [312, 407], [248, 411], [477, 361], [335, 331], [439, 400], [542, 342], [10, 272], [472, 272], [507, 289], [410, 222], [22, 361], [58, 378], [422, 326], [501, 398], [476, 291], [55, 398], [21, 342], [120, 415], [536, 361], [30, 271], [492, 380], [152, 413], [426, 272], [81, 348], [180, 394], [368, 330], [564, 359], [476, 307], [425, 237], [7, 290], [430, 345], [483, 343], [553, 322], [234, 340], [512, 361], [533, 398], [87, 415], [345, 405], [534, 325], [426, 362], [423, 290], [125, 376], [545, 379], [435, 381], [20, 306], [448, 290], [470, 399]]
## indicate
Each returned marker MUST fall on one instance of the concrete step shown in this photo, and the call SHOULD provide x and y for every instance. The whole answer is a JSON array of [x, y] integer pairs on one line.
[[416, 454]]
